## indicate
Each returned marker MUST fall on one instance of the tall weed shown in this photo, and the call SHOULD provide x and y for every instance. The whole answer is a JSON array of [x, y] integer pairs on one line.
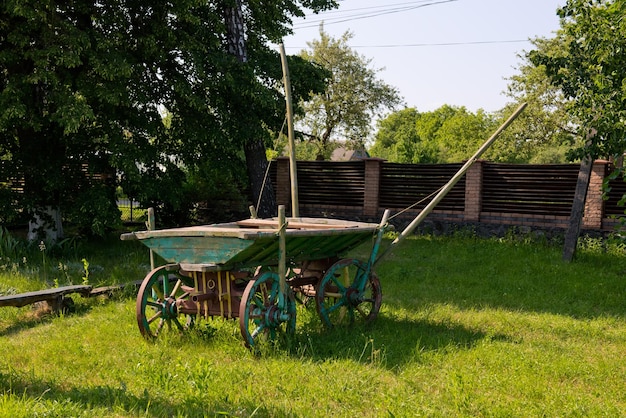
[[9, 246]]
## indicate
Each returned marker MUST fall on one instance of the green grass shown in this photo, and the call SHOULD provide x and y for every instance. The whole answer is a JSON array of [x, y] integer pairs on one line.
[[469, 327], [132, 213]]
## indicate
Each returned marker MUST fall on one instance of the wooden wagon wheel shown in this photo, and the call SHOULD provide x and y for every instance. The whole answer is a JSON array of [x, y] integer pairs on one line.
[[264, 312], [157, 302], [345, 295]]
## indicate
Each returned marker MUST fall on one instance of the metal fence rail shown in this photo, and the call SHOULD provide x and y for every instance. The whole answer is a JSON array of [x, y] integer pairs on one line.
[[131, 210]]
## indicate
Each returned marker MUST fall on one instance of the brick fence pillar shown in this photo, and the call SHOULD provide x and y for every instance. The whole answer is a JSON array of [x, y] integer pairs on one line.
[[473, 192], [594, 204], [373, 168], [283, 182]]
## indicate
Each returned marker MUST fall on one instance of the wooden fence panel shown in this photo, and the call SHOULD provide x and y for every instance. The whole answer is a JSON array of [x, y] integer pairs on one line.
[[402, 185], [529, 189], [331, 183]]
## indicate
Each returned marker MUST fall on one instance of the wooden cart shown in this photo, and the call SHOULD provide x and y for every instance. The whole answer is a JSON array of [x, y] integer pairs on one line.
[[252, 269]]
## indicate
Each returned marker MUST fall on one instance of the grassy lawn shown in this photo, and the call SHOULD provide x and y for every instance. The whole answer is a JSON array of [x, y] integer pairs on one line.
[[469, 327]]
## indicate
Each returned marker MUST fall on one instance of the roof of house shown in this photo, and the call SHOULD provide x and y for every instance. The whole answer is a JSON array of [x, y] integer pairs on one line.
[[343, 154]]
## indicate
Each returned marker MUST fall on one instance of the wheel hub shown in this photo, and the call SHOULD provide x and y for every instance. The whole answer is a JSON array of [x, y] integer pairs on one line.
[[273, 316], [353, 296], [169, 308]]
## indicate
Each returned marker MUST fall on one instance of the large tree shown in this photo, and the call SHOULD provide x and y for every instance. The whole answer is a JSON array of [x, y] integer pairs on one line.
[[354, 98], [545, 131], [589, 70], [590, 73], [85, 83]]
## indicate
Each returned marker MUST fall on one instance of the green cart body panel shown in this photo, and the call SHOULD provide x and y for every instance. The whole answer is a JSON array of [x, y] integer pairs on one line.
[[252, 243]]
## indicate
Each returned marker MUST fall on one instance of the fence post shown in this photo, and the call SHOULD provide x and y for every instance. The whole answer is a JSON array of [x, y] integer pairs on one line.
[[594, 204], [373, 167], [283, 194], [473, 192]]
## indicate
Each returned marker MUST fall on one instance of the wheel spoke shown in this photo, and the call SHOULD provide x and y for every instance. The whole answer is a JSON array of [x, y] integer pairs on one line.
[[334, 307], [157, 302], [350, 312], [176, 287], [153, 318], [360, 310], [256, 315], [165, 284], [335, 300], [178, 324], [158, 290], [159, 327], [256, 332], [340, 286], [273, 294], [257, 301], [262, 296]]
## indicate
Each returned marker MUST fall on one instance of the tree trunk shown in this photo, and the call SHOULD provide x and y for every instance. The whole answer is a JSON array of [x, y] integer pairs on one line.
[[260, 184], [256, 160], [45, 225]]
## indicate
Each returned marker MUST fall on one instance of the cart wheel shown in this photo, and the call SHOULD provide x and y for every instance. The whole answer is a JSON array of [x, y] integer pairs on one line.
[[157, 302], [338, 298], [261, 316]]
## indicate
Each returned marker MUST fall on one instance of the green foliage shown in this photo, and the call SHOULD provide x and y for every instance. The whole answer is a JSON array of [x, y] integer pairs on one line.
[[397, 139], [93, 211], [545, 132], [353, 98], [589, 71], [86, 84], [9, 246], [447, 134], [216, 192]]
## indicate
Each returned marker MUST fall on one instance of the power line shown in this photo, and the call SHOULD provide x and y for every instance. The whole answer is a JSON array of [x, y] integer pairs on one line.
[[359, 13], [514, 41], [367, 12], [419, 45]]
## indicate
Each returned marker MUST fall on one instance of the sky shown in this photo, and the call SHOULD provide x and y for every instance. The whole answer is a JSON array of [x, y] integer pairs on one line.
[[436, 52]]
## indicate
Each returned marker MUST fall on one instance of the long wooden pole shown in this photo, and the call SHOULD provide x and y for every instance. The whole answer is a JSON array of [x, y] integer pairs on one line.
[[282, 249], [444, 191], [151, 224], [293, 172]]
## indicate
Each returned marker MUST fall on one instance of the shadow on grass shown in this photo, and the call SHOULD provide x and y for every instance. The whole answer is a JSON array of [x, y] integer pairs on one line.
[[33, 391], [388, 341]]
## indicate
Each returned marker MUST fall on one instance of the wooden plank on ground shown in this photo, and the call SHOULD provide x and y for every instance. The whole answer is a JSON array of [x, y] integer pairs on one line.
[[23, 299]]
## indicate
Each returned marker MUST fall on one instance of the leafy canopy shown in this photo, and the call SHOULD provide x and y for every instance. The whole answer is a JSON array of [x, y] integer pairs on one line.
[[84, 84], [590, 72], [447, 134]]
